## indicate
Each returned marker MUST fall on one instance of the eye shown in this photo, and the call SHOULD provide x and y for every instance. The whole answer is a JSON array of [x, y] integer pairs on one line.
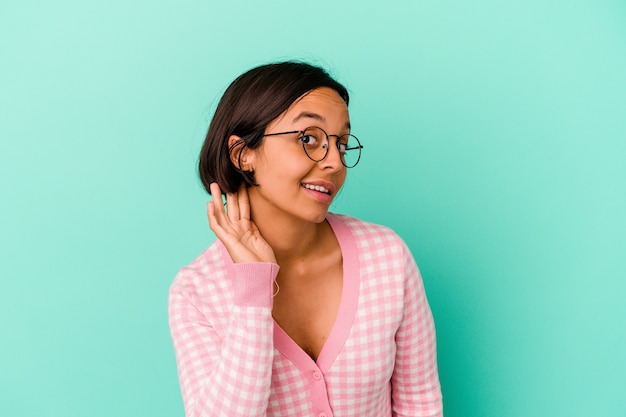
[[342, 143], [308, 139]]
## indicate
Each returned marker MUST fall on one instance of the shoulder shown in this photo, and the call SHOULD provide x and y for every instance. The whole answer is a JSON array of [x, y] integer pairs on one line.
[[384, 259], [378, 247], [210, 269], [202, 292], [366, 233]]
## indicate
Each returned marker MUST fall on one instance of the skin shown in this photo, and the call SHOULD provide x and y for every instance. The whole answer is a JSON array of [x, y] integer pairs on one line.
[[281, 221]]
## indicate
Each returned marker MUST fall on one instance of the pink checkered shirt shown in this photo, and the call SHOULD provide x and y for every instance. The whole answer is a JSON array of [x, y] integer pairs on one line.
[[379, 359]]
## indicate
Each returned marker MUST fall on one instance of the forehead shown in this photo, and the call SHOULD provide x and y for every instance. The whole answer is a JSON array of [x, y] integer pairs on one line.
[[321, 95], [322, 105]]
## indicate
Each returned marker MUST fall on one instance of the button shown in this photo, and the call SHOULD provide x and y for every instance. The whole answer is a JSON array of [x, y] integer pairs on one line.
[[317, 377], [321, 415]]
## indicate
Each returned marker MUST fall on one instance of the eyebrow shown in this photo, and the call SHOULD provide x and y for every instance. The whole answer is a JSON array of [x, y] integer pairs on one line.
[[314, 116]]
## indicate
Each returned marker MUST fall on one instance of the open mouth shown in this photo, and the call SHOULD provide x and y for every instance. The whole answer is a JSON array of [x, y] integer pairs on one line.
[[317, 188]]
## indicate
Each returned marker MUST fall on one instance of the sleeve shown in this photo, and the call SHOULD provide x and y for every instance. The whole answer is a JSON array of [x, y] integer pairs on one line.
[[225, 374], [415, 381]]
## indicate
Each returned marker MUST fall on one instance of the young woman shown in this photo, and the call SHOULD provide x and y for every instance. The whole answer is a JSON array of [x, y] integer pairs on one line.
[[295, 311]]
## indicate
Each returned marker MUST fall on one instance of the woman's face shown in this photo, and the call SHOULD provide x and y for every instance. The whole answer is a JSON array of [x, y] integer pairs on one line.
[[289, 183]]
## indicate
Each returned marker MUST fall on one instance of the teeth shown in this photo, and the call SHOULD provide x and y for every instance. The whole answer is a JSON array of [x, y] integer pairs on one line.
[[317, 188]]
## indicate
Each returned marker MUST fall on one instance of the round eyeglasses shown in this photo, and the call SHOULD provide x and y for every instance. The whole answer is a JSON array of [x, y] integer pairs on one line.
[[315, 142]]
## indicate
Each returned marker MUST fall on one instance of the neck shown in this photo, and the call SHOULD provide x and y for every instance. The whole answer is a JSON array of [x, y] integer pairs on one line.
[[291, 238]]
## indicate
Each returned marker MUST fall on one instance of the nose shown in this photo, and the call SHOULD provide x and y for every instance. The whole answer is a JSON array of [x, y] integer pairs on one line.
[[332, 160]]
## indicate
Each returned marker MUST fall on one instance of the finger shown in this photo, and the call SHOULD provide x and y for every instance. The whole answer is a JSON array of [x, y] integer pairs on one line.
[[215, 220], [232, 206], [214, 223], [210, 211], [244, 202], [218, 218], [216, 194]]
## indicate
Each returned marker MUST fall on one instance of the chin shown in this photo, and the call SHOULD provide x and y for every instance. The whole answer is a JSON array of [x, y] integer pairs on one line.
[[317, 217], [320, 219]]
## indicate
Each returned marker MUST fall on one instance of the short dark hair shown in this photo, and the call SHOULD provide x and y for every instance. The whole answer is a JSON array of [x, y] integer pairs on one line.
[[247, 107]]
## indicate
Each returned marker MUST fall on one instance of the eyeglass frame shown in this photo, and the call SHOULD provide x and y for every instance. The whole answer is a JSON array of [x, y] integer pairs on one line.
[[301, 132]]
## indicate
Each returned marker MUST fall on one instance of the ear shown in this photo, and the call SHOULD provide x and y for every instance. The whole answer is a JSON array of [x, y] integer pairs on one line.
[[240, 155]]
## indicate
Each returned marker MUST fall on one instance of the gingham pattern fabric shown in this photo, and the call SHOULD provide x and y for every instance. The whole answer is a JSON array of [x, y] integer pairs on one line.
[[379, 359]]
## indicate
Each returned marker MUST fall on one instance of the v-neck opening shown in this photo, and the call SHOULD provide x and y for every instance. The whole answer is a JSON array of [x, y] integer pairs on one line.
[[345, 314]]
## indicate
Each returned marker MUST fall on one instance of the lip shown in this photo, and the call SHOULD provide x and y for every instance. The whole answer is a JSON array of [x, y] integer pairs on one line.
[[323, 197]]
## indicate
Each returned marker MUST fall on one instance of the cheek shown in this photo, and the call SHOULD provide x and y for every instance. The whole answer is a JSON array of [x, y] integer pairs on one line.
[[342, 177], [281, 170]]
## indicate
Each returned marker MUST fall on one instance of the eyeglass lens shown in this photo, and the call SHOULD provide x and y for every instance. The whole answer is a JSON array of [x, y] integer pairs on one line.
[[315, 143]]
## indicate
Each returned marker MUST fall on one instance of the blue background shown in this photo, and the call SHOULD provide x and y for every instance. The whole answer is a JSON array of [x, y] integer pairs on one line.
[[495, 145]]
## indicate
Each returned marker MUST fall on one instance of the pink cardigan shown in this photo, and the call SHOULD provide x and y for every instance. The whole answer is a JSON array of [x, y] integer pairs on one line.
[[379, 359]]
